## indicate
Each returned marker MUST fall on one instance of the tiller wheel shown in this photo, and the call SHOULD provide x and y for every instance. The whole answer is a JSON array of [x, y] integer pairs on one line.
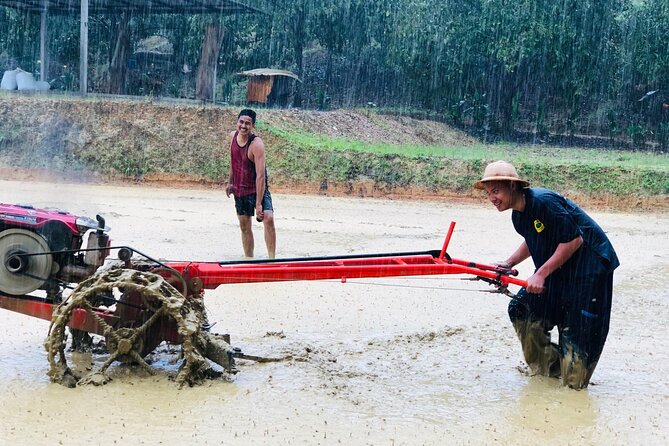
[[149, 311]]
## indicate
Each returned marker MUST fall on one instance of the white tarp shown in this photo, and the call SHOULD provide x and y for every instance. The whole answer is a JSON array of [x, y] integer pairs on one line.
[[25, 81], [8, 80], [22, 80]]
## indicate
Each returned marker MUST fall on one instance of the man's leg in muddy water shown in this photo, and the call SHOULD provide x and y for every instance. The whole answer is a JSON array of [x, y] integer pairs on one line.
[[576, 373], [247, 235], [541, 355], [270, 233], [585, 330]]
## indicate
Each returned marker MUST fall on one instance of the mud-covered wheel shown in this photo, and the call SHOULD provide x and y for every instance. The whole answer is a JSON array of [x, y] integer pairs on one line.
[[133, 329]]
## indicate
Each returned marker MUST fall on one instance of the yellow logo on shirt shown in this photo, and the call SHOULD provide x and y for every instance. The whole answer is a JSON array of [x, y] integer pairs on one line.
[[538, 226]]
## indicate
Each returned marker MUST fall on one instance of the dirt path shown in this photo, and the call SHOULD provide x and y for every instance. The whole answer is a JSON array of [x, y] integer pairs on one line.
[[392, 361]]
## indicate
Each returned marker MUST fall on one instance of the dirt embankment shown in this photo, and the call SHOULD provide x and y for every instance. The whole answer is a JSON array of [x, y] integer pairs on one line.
[[167, 142], [369, 127], [179, 133], [177, 143]]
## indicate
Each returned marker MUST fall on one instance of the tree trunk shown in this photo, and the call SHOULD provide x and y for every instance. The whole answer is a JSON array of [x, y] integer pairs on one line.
[[118, 64], [211, 47], [298, 48], [501, 90]]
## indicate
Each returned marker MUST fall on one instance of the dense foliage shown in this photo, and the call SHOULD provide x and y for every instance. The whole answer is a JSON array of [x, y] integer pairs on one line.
[[498, 66]]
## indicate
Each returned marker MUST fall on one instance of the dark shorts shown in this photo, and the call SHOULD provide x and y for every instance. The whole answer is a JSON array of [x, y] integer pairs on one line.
[[246, 205]]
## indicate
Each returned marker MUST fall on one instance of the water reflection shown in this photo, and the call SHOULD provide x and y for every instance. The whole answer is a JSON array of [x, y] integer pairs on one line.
[[548, 411]]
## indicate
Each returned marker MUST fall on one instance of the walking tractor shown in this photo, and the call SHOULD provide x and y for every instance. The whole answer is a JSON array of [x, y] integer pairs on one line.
[[122, 304]]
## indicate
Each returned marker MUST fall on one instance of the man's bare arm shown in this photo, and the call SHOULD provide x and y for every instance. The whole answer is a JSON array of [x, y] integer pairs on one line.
[[257, 151], [228, 187]]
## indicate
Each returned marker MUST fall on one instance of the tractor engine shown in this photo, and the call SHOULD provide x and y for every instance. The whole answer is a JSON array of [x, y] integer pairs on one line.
[[42, 249]]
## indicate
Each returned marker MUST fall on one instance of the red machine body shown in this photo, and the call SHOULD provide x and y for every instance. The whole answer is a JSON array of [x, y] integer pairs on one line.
[[29, 217]]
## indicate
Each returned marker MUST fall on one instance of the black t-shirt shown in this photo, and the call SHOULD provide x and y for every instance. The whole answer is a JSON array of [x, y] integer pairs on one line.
[[550, 219]]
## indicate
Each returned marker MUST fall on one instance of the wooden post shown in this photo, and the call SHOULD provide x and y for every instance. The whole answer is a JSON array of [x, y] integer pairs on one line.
[[206, 70], [213, 87], [118, 66], [44, 62], [83, 48]]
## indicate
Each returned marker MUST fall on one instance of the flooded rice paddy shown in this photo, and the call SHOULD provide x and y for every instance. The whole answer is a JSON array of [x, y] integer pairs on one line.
[[420, 360]]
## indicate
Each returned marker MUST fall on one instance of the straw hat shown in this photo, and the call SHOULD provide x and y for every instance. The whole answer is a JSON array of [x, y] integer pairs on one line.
[[500, 171]]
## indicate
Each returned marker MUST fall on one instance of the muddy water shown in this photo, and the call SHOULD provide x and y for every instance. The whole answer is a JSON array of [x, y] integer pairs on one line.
[[384, 361]]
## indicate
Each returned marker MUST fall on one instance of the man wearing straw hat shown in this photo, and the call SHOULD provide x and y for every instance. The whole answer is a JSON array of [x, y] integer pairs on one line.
[[572, 285]]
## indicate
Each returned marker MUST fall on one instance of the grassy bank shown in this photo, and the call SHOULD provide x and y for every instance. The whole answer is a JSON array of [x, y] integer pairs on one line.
[[455, 168], [349, 152]]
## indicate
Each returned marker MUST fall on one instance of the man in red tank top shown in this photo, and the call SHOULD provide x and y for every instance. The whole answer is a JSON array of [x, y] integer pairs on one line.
[[248, 183]]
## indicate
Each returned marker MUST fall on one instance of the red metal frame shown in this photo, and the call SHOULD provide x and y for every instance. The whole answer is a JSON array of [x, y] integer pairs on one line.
[[41, 309], [214, 274], [420, 264]]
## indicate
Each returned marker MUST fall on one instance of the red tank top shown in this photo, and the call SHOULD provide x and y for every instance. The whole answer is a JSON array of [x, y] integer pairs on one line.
[[243, 169]]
